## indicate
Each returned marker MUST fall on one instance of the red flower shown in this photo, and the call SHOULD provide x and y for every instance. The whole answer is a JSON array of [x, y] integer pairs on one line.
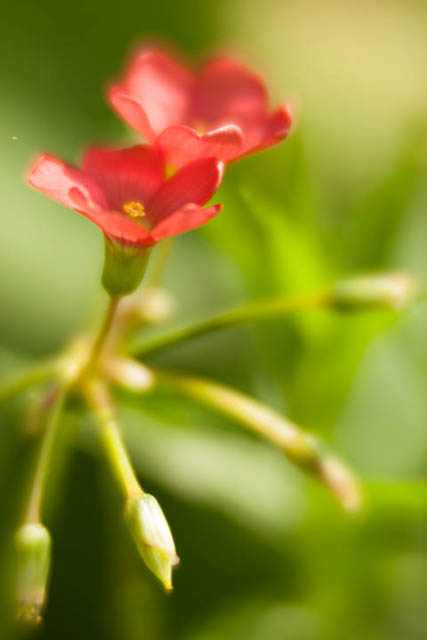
[[127, 195], [222, 111]]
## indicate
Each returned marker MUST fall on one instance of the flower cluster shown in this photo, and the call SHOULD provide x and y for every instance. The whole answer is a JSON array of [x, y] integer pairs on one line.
[[193, 123]]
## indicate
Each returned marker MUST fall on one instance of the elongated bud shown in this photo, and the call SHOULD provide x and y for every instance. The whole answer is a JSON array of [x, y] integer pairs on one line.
[[129, 374], [153, 305], [124, 267], [152, 535], [387, 291], [342, 483], [33, 550]]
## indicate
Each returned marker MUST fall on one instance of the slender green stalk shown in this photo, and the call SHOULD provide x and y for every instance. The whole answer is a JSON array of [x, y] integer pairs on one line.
[[300, 447], [143, 514], [32, 376], [100, 403], [33, 512], [103, 332], [231, 318]]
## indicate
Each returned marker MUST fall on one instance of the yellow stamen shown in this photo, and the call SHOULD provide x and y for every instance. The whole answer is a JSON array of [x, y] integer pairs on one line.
[[170, 171], [134, 209]]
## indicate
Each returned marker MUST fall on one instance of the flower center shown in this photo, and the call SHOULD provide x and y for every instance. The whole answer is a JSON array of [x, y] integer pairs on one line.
[[134, 209]]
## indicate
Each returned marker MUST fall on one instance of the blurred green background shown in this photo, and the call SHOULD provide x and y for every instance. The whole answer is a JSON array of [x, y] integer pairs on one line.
[[264, 553]]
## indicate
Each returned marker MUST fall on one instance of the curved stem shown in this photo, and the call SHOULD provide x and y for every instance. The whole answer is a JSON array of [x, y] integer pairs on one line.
[[33, 512], [300, 447], [32, 376], [100, 403], [103, 332], [233, 317]]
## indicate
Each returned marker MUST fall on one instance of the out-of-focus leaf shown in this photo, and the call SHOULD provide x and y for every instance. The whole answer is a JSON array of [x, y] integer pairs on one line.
[[257, 619]]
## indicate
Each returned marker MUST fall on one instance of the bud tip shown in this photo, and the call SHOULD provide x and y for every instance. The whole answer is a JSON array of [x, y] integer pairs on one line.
[[152, 535]]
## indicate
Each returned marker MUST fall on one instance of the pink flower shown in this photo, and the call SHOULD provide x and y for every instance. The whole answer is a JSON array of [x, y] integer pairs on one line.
[[125, 192], [222, 111]]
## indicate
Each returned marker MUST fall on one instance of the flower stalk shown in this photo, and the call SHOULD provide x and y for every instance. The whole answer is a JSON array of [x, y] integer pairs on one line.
[[102, 408], [301, 448], [34, 505], [386, 291], [103, 334], [231, 318], [32, 539], [144, 517]]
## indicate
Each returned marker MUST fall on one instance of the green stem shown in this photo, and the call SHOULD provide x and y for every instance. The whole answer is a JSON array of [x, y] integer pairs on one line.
[[36, 374], [33, 512], [101, 405], [103, 332], [300, 447], [233, 317]]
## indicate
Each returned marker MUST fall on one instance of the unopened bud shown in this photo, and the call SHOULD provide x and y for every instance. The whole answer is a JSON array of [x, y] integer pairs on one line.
[[152, 535], [156, 305], [129, 374], [342, 482], [153, 305], [33, 550], [387, 291]]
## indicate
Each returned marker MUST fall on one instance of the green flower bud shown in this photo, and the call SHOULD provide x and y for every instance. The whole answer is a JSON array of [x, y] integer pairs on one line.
[[124, 267], [152, 535], [33, 551], [387, 291]]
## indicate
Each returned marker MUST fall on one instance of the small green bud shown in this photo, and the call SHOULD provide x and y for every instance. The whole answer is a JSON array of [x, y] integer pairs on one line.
[[33, 551], [387, 291], [152, 535], [124, 267]]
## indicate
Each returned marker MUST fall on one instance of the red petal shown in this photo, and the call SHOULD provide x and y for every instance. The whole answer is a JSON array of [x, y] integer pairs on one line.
[[185, 219], [126, 175], [195, 183], [225, 89], [183, 144], [131, 111], [160, 86], [121, 228], [71, 187], [66, 185], [275, 128]]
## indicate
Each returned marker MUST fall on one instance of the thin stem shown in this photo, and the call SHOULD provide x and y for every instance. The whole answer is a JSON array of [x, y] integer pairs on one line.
[[103, 332], [100, 403], [231, 318], [30, 377], [33, 512], [300, 447]]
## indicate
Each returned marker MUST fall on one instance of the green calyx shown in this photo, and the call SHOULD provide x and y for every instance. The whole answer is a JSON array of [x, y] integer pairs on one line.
[[124, 267]]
